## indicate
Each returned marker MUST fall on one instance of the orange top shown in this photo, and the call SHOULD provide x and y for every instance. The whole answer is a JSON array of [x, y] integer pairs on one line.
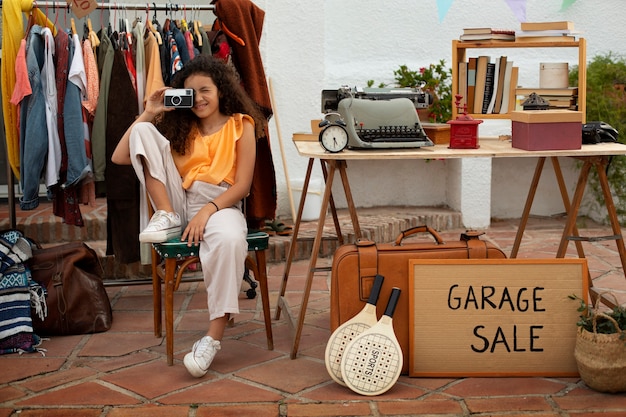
[[212, 158]]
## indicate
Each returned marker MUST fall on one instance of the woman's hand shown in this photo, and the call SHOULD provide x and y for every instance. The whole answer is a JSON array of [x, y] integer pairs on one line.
[[154, 104], [194, 231]]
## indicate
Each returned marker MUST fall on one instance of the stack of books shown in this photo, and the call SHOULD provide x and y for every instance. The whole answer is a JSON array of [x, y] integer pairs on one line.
[[486, 34], [546, 32], [558, 98], [488, 87]]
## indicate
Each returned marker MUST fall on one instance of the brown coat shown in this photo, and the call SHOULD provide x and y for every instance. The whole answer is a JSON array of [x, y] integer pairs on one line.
[[245, 20]]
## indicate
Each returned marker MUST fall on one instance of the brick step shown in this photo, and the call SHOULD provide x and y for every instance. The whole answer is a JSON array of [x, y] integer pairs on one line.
[[380, 224]]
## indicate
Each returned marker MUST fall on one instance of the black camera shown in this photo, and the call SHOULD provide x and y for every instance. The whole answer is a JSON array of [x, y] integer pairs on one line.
[[180, 98]]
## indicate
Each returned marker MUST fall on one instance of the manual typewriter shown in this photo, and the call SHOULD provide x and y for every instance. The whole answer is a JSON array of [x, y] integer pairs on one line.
[[379, 118]]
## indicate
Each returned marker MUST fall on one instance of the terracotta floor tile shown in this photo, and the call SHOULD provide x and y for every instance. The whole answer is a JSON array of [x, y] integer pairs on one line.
[[38, 384], [15, 368], [256, 410], [421, 407], [221, 391], [474, 387], [152, 380], [313, 410], [118, 344], [287, 375], [88, 393], [151, 411], [504, 404]]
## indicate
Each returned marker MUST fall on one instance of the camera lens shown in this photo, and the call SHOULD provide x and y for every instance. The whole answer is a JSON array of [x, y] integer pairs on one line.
[[176, 100]]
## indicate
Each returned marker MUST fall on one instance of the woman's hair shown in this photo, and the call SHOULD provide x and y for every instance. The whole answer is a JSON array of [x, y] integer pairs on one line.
[[177, 125]]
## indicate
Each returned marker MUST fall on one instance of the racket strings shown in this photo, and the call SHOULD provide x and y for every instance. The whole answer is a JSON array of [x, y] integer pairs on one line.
[[372, 363], [342, 339]]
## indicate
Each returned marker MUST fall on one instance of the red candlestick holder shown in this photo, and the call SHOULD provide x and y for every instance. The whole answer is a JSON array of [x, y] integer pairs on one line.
[[464, 129]]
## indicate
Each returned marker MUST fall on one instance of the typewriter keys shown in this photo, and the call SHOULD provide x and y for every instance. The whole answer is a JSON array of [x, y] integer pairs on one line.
[[333, 137]]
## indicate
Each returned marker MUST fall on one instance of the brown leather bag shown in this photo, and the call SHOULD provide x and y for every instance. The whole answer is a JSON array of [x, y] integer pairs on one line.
[[76, 298], [355, 266]]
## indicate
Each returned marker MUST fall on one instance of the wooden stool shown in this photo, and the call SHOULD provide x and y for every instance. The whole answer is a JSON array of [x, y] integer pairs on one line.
[[177, 257]]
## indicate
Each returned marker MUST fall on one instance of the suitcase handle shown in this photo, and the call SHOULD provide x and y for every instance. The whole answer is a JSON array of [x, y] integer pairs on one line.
[[419, 229]]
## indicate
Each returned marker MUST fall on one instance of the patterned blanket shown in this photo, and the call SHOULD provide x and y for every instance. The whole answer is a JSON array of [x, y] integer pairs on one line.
[[17, 292]]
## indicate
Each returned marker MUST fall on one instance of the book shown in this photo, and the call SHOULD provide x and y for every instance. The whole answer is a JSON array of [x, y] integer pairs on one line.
[[482, 31], [496, 79], [499, 90], [462, 83], [481, 76], [525, 91], [562, 25], [489, 80], [488, 37], [471, 83], [540, 33], [512, 96], [559, 38], [506, 88]]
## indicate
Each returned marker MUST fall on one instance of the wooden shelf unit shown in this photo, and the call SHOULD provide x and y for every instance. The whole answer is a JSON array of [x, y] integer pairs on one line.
[[459, 54]]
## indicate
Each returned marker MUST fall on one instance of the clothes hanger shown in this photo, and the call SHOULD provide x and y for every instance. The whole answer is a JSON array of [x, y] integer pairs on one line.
[[73, 25], [91, 35], [196, 28], [151, 27]]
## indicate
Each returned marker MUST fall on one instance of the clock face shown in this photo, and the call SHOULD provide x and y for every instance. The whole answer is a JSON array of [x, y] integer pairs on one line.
[[334, 138]]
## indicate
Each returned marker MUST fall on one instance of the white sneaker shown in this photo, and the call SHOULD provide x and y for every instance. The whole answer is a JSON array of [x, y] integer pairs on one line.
[[199, 359], [162, 226]]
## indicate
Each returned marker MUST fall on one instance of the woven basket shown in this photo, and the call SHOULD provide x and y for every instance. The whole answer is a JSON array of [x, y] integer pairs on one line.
[[601, 358]]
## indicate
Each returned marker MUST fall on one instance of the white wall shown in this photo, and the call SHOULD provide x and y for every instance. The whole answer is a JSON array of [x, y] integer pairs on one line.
[[313, 45]]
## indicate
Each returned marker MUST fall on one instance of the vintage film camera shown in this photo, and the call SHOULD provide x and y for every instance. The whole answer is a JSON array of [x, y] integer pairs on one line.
[[180, 98]]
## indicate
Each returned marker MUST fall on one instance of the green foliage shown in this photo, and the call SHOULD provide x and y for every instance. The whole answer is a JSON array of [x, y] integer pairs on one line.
[[606, 101], [603, 325], [437, 79]]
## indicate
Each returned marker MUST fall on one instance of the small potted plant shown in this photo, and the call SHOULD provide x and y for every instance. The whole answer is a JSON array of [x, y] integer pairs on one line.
[[436, 80], [600, 350]]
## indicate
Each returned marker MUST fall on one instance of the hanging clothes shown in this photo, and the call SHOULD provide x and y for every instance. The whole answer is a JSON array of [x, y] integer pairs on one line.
[[140, 59], [65, 202], [12, 35], [33, 144], [48, 84], [106, 53], [121, 182], [244, 20]]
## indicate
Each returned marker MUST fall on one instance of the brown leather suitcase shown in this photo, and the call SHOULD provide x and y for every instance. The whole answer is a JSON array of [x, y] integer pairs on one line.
[[355, 266]]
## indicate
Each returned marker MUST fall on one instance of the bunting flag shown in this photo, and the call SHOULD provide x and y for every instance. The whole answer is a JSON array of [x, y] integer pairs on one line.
[[442, 8], [566, 4], [519, 8]]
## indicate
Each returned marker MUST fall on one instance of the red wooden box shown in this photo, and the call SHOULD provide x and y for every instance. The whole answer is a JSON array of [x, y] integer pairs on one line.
[[539, 130]]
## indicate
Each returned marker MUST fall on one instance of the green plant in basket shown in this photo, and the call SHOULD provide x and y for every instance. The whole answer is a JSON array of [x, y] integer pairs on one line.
[[603, 324]]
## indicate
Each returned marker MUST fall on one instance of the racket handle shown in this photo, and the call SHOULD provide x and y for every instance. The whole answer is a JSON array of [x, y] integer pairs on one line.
[[375, 291], [393, 302]]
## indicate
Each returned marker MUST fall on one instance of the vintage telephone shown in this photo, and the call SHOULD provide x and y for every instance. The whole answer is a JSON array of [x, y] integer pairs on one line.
[[597, 132]]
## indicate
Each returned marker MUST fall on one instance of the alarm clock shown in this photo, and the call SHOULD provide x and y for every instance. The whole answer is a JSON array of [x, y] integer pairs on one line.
[[333, 136]]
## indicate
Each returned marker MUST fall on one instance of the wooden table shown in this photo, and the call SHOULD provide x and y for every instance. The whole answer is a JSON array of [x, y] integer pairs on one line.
[[593, 156]]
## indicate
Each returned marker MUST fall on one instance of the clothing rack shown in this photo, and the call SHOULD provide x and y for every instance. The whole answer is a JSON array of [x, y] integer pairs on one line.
[[28, 5]]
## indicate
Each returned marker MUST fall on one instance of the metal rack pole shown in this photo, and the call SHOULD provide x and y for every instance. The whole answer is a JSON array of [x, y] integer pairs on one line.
[[123, 6]]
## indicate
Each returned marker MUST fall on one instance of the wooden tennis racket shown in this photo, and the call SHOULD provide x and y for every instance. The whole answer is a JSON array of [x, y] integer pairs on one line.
[[372, 362], [344, 334]]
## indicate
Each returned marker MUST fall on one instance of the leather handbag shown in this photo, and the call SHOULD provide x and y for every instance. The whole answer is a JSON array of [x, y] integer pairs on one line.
[[77, 302], [355, 266]]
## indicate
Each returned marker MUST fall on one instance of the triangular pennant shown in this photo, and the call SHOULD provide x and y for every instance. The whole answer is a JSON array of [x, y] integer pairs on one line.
[[566, 4], [442, 8], [519, 8]]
